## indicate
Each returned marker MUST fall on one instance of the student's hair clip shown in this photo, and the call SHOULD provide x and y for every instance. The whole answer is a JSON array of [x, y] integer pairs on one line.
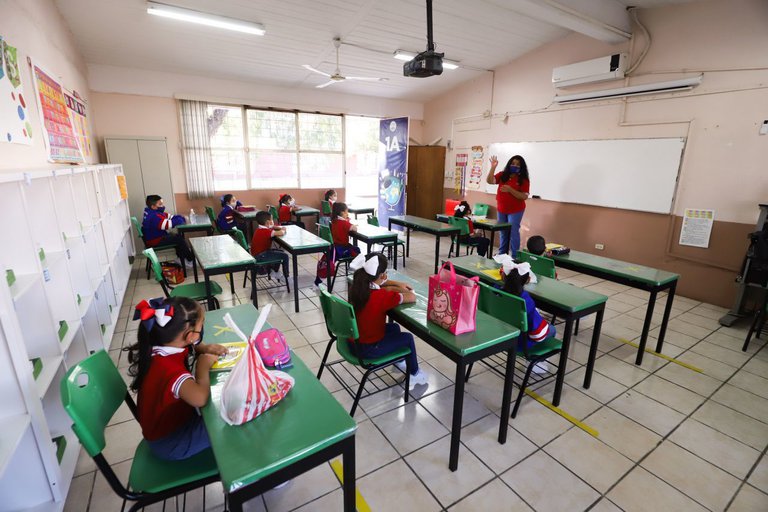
[[371, 265]]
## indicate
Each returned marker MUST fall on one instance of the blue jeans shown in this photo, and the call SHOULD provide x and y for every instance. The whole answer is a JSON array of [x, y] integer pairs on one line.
[[510, 239], [274, 254], [189, 440], [393, 340], [551, 333], [344, 251]]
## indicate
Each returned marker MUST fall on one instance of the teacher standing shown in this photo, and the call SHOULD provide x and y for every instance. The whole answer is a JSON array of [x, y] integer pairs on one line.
[[510, 199]]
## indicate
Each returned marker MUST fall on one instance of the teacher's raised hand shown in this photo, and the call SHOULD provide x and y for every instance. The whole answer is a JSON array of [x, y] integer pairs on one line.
[[494, 162], [490, 179]]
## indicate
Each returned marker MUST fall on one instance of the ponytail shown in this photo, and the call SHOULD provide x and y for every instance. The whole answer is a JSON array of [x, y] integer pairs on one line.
[[360, 290]]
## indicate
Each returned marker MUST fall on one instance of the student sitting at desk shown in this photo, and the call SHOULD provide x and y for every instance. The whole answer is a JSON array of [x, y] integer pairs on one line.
[[537, 246], [287, 206], [340, 228], [462, 210], [229, 218], [168, 393], [330, 196], [261, 245], [156, 224]]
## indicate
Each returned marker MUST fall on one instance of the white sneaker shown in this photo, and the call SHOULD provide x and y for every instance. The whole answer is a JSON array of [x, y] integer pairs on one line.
[[188, 263], [419, 378], [276, 275], [400, 365], [541, 367]]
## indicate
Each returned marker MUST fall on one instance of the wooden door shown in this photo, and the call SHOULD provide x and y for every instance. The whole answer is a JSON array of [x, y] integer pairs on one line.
[[426, 170]]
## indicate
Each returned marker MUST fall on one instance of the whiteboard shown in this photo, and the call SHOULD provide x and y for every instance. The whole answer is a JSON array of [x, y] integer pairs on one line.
[[634, 174]]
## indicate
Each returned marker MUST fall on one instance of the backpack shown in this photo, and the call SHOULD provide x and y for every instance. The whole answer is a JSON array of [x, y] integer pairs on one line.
[[324, 266], [273, 348], [173, 273]]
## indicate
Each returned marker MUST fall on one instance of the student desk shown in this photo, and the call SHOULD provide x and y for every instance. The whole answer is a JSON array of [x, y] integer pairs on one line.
[[562, 299], [491, 337], [305, 429], [491, 225], [360, 210], [196, 222], [432, 227], [629, 274], [250, 220], [306, 211], [299, 241], [370, 235], [221, 255]]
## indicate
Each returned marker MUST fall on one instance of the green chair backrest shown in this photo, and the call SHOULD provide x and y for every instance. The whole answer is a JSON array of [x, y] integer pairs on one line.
[[480, 209], [541, 265], [240, 238], [91, 393], [503, 306], [339, 316], [373, 220], [326, 207], [157, 269], [325, 233], [136, 225], [212, 216], [459, 222], [273, 211]]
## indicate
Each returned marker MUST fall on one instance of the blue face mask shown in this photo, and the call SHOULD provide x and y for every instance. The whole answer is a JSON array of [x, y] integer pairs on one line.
[[161, 209], [200, 339], [513, 169]]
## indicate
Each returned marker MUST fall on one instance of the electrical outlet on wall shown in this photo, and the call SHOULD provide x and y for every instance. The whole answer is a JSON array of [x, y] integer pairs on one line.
[[599, 247]]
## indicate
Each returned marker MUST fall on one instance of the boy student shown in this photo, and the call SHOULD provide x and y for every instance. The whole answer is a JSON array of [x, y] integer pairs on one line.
[[157, 223], [261, 245]]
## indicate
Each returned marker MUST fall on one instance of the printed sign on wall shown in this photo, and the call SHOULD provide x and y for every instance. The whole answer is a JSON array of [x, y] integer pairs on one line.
[[393, 168], [475, 176], [458, 172], [14, 113], [76, 107], [60, 137]]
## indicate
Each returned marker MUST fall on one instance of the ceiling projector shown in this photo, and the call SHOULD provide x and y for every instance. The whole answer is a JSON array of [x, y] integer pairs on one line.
[[427, 63]]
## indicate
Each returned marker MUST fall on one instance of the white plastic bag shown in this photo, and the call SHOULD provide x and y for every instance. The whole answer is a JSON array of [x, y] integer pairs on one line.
[[251, 389]]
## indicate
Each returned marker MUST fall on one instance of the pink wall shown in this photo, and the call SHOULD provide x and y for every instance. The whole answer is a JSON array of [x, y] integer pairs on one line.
[[37, 30]]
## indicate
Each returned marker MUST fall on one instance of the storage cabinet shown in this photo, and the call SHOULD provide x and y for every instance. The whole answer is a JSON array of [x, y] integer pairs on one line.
[[64, 268]]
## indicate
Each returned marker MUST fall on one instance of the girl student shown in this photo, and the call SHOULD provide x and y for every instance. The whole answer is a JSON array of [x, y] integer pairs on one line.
[[330, 196], [287, 205], [340, 228], [168, 393], [462, 210], [513, 190], [372, 295], [229, 218]]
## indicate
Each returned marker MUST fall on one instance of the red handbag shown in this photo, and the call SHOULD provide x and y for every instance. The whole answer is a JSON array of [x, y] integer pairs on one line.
[[173, 273]]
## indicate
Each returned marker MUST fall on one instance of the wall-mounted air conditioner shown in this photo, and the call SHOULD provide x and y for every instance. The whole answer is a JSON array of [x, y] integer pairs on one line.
[[603, 69], [684, 84]]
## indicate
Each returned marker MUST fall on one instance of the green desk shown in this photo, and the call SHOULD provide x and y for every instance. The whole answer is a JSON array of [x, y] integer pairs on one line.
[[196, 222], [432, 227], [369, 235], [250, 220], [562, 299], [491, 337], [629, 274], [306, 211], [361, 210], [299, 241], [221, 255], [491, 225], [305, 429]]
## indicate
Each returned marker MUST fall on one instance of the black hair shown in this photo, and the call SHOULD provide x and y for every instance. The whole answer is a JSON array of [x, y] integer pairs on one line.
[[262, 217], [338, 209], [467, 210], [514, 282], [329, 193], [360, 290], [186, 313], [152, 200], [536, 245], [522, 174], [285, 198], [225, 199]]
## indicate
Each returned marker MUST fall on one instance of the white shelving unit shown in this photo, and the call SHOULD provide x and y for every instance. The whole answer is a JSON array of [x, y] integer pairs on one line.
[[62, 281]]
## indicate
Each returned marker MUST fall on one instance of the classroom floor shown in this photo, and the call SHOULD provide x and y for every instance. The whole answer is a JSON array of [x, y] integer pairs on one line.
[[670, 438]]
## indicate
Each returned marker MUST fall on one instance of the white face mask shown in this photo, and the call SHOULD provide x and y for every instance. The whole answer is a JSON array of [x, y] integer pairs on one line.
[[292, 202]]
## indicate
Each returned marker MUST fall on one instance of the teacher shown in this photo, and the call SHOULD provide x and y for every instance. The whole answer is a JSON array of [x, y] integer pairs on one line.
[[510, 199]]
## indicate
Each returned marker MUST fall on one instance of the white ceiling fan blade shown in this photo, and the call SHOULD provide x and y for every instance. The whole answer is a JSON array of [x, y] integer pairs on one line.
[[367, 79], [307, 66], [326, 84]]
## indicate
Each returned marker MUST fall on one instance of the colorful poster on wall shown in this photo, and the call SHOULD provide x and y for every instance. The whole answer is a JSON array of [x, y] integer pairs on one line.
[[14, 113], [60, 138], [393, 168], [475, 176], [122, 186], [458, 172], [76, 108]]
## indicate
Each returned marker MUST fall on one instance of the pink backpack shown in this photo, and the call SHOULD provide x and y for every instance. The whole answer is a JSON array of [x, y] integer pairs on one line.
[[273, 348]]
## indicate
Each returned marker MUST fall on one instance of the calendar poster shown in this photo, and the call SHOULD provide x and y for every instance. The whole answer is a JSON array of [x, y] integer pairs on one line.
[[60, 137]]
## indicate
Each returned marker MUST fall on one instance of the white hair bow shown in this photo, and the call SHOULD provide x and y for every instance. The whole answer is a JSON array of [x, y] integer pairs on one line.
[[460, 207], [508, 264], [371, 265]]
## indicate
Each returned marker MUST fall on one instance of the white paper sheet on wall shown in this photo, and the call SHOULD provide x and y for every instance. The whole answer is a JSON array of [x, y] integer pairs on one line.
[[697, 227]]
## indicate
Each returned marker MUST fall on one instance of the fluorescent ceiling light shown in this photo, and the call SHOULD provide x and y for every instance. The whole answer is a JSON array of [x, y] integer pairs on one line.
[[685, 84], [406, 56], [201, 18]]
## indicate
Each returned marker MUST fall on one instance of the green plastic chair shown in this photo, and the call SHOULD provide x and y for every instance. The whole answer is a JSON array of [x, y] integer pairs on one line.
[[273, 211], [463, 225], [389, 246], [325, 207], [91, 393], [341, 324], [212, 216], [325, 234], [140, 232], [194, 291], [541, 265], [511, 309], [239, 236], [480, 209]]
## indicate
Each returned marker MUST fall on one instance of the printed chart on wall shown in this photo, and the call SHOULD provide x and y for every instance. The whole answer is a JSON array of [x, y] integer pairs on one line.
[[61, 139], [697, 227], [14, 113], [459, 171], [475, 176], [76, 108]]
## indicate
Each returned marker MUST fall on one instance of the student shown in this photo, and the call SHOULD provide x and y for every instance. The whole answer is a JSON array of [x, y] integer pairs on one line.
[[510, 199], [537, 246], [287, 205], [372, 295], [229, 218], [462, 211], [156, 224], [340, 228], [330, 196], [168, 393], [261, 245]]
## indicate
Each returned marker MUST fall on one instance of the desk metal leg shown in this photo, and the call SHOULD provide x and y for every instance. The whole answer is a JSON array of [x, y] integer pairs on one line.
[[646, 328], [395, 251], [458, 405], [232, 283], [506, 397], [194, 267], [328, 256], [437, 252], [348, 460], [593, 348], [407, 242], [254, 291], [296, 281], [665, 319], [490, 247], [563, 361], [208, 293]]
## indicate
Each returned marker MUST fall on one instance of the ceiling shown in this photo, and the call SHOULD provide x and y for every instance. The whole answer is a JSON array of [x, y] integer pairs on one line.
[[479, 34]]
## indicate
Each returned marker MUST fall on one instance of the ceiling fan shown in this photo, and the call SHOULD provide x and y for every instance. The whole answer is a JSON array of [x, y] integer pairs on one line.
[[337, 76]]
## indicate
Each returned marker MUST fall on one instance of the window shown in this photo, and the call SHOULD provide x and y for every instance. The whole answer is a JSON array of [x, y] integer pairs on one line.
[[225, 129], [362, 150], [272, 149]]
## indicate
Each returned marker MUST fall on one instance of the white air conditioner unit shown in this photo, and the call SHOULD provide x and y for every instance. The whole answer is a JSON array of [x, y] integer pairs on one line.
[[603, 69], [684, 84]]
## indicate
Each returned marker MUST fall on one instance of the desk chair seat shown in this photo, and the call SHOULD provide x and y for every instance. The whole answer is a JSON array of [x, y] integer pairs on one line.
[[389, 246], [341, 324], [463, 225], [325, 234], [480, 209], [194, 291], [140, 232], [91, 393]]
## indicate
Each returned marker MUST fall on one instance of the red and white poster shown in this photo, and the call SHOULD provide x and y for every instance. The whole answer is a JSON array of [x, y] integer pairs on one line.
[[475, 176], [60, 137], [458, 172]]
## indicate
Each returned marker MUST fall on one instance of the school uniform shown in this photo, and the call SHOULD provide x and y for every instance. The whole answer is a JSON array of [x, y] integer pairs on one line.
[[510, 209], [480, 242], [538, 329], [261, 249], [229, 219], [284, 216], [340, 228], [155, 225]]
